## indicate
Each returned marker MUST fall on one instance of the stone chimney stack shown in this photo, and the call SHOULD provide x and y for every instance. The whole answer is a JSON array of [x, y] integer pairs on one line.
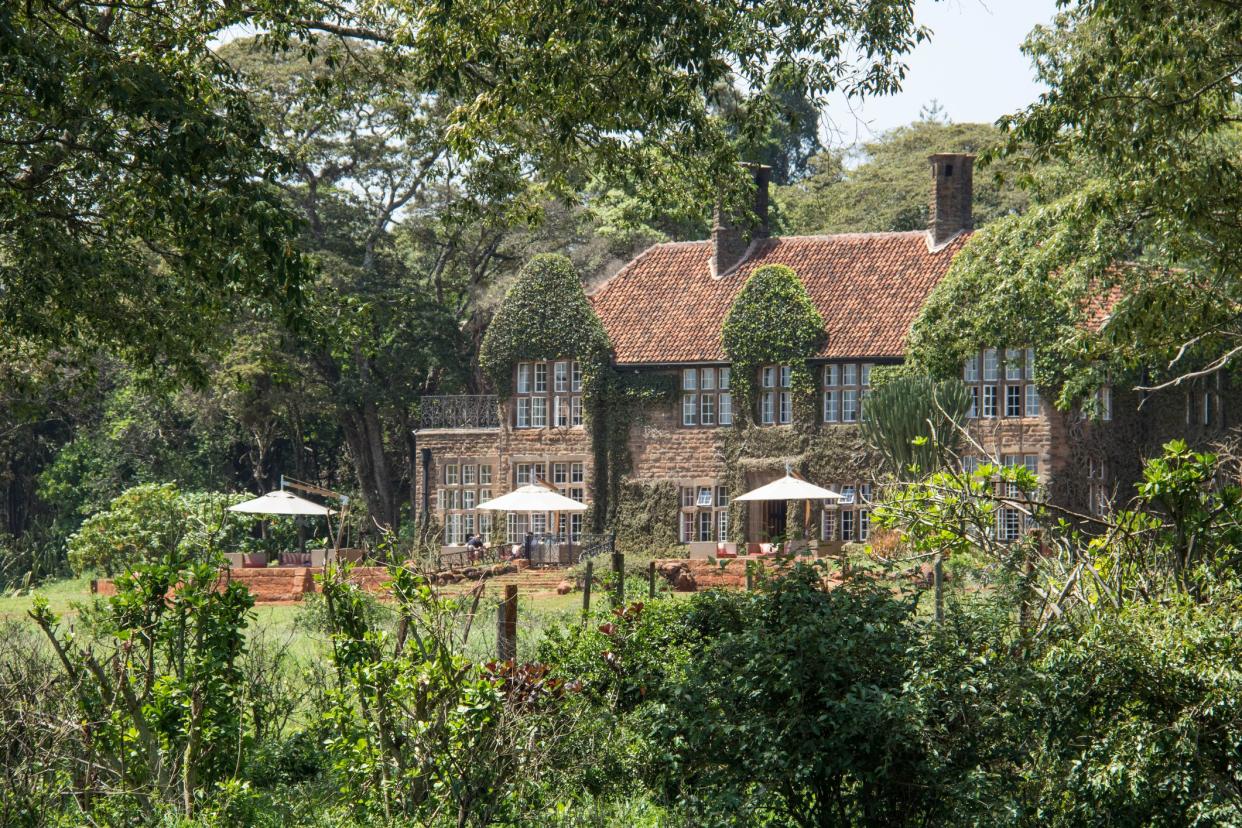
[[732, 236], [952, 196]]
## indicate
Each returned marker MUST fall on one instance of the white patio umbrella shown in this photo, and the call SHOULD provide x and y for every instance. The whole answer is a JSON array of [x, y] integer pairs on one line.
[[533, 498], [280, 503], [790, 487]]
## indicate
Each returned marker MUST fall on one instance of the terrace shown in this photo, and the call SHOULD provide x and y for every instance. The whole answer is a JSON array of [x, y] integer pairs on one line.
[[459, 411]]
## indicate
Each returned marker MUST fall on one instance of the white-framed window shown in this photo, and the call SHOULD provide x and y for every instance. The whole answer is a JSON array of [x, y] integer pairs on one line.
[[828, 525], [1032, 400], [1013, 396], [847, 524], [775, 397], [526, 473], [970, 369], [540, 402], [1010, 524], [1013, 364], [989, 401], [849, 405], [458, 497], [1013, 400], [689, 409], [842, 388], [705, 397], [704, 515], [1106, 404], [832, 405]]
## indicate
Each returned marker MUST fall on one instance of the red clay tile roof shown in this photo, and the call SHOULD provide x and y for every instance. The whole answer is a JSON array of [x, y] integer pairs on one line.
[[665, 307]]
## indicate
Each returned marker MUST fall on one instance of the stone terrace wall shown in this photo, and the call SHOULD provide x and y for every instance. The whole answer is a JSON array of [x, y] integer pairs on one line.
[[277, 584]]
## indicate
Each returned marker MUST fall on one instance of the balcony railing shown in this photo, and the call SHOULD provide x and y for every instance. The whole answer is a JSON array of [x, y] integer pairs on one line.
[[459, 411]]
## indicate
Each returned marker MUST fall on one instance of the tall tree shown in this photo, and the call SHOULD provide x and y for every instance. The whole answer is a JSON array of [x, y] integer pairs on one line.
[[402, 232], [135, 210], [885, 187], [1142, 106]]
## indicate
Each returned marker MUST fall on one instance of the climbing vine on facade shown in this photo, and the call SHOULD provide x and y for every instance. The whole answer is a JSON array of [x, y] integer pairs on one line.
[[772, 322], [544, 316]]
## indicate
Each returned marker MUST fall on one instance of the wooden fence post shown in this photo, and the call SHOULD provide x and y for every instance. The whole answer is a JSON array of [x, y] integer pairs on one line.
[[750, 577], [586, 588], [506, 625], [938, 580], [618, 571], [651, 575]]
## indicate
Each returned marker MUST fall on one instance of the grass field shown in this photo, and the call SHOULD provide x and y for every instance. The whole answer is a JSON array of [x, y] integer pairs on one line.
[[285, 624]]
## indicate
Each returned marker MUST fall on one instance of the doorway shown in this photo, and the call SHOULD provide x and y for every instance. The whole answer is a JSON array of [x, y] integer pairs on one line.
[[774, 519]]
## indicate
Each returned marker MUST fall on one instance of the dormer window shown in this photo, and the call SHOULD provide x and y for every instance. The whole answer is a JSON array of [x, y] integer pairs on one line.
[[548, 394]]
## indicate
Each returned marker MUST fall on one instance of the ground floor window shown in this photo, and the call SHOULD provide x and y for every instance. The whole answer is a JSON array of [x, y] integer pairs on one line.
[[704, 513], [850, 519], [569, 476], [463, 484]]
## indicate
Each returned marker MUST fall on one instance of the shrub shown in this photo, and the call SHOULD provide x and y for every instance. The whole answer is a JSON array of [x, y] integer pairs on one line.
[[145, 522], [142, 523]]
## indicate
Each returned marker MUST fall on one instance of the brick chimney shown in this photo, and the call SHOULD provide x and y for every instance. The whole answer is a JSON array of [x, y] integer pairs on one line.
[[952, 196], [732, 236]]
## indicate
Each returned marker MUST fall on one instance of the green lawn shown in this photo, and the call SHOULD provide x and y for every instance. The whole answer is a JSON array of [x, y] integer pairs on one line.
[[282, 626]]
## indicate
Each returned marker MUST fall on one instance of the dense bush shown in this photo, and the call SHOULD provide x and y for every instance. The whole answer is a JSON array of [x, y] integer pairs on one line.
[[148, 521]]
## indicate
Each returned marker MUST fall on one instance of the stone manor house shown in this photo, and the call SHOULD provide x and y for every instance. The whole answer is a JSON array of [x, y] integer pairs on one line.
[[663, 313]]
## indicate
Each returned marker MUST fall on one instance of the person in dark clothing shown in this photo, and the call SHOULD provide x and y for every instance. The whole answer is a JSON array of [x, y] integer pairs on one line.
[[474, 548], [528, 546]]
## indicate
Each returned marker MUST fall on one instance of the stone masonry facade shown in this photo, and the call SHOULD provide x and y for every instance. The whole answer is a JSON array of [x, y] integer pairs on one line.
[[663, 314]]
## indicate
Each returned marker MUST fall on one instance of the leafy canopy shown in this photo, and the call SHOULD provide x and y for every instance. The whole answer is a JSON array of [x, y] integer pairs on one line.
[[887, 185], [135, 203], [1141, 107]]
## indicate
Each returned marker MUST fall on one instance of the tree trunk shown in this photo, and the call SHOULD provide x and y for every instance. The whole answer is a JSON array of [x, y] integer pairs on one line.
[[380, 487]]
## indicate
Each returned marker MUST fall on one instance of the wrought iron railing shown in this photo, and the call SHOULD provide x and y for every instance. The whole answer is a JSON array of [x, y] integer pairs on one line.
[[594, 546], [459, 411]]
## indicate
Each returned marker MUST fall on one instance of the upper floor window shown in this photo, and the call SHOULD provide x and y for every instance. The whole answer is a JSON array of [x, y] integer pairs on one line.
[[775, 394], [1002, 384], [706, 399], [548, 394], [843, 387]]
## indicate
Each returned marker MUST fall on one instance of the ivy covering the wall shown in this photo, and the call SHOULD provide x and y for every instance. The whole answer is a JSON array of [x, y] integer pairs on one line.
[[544, 316], [997, 295], [623, 399], [772, 322], [647, 518], [834, 454]]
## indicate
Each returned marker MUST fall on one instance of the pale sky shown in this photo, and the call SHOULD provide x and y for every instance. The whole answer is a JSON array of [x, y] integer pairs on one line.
[[972, 65]]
